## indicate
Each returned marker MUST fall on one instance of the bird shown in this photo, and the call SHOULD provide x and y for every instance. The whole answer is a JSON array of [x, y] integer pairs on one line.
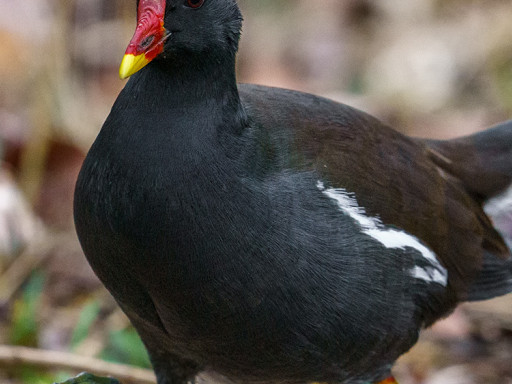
[[267, 235]]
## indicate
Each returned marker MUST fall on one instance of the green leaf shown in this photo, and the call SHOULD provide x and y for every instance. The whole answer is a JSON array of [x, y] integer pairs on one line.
[[88, 378], [29, 375], [126, 347], [87, 318], [24, 329]]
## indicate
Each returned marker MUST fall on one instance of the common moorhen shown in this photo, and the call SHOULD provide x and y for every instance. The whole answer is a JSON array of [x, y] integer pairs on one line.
[[273, 236]]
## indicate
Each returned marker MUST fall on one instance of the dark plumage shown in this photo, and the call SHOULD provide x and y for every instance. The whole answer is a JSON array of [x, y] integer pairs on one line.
[[274, 236]]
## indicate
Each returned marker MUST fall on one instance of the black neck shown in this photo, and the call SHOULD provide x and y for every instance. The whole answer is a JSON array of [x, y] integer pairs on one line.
[[187, 85]]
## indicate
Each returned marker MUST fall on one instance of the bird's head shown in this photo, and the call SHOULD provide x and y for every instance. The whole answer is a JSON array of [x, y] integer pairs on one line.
[[169, 29]]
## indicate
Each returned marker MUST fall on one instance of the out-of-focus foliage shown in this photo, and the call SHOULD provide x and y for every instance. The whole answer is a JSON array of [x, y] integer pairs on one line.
[[24, 329], [125, 346], [87, 317]]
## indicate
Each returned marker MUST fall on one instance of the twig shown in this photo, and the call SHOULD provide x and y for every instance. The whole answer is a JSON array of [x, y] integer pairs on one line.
[[13, 356], [22, 267]]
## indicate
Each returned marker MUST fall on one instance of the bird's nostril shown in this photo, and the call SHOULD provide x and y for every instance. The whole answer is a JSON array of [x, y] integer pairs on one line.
[[147, 42]]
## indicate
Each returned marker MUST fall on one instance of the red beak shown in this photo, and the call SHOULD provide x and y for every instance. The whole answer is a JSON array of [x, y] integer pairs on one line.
[[148, 40]]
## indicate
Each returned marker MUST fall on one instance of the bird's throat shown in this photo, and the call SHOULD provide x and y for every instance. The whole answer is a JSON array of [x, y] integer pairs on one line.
[[180, 84]]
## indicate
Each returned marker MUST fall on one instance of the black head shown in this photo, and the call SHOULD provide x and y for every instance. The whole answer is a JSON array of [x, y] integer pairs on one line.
[[177, 30]]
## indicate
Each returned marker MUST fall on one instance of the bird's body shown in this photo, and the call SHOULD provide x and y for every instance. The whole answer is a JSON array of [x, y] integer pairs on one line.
[[273, 236]]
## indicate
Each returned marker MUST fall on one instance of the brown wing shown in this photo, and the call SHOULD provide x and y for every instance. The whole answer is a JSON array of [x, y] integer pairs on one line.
[[392, 176]]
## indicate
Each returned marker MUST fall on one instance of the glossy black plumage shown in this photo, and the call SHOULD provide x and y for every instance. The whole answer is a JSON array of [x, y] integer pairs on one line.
[[210, 213]]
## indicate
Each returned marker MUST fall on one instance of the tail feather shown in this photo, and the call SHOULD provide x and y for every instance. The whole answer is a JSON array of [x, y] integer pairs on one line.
[[494, 280], [483, 163]]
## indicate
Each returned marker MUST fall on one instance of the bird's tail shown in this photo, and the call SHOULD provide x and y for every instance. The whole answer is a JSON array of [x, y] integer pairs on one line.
[[483, 162]]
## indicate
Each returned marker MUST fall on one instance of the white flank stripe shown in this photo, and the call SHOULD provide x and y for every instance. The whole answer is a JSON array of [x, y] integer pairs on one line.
[[430, 275], [390, 238]]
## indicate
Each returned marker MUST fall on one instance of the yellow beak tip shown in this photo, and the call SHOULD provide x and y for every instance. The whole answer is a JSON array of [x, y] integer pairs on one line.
[[132, 64]]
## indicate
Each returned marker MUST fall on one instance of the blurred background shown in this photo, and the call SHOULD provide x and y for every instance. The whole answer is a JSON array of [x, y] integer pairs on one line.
[[431, 68]]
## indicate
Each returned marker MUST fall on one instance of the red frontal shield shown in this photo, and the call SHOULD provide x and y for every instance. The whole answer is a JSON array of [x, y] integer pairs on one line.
[[148, 40]]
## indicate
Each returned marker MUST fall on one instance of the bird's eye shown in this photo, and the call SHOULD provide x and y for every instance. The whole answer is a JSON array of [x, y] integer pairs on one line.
[[194, 3]]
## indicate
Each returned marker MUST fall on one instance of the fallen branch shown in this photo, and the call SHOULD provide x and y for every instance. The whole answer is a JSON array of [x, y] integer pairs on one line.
[[14, 356]]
